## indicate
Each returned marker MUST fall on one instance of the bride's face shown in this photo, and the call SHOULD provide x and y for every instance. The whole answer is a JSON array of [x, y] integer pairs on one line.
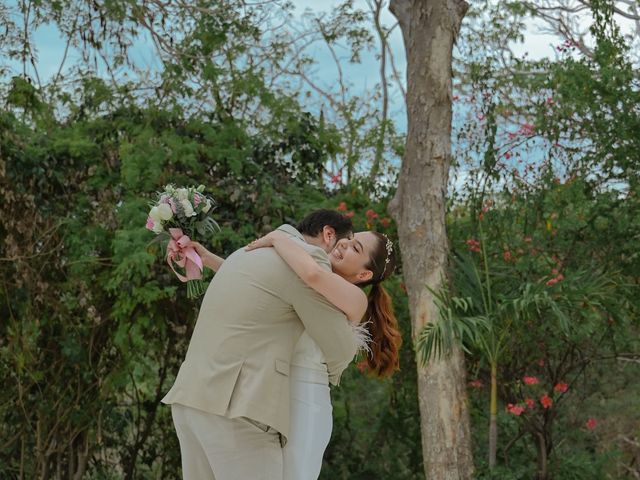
[[350, 257]]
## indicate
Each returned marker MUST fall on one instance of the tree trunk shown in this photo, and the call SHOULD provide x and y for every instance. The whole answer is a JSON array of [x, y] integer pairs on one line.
[[542, 457], [382, 36], [429, 29]]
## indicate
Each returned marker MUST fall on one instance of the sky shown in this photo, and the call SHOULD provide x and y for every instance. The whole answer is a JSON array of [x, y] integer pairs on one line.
[[51, 47], [362, 76]]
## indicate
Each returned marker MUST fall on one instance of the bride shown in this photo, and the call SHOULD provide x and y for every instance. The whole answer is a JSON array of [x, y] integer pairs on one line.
[[364, 260]]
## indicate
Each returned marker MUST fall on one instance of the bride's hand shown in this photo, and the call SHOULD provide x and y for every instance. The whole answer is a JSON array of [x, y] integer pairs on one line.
[[209, 259], [266, 241], [199, 248]]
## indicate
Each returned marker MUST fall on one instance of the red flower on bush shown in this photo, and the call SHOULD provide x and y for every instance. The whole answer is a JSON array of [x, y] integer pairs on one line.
[[473, 244], [371, 214], [477, 383], [342, 207], [530, 380], [385, 222], [546, 401], [561, 387], [507, 256], [515, 409], [591, 423], [554, 280], [530, 402], [349, 214]]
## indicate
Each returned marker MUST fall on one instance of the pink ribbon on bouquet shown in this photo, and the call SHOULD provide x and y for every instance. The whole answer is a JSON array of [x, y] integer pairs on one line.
[[180, 254]]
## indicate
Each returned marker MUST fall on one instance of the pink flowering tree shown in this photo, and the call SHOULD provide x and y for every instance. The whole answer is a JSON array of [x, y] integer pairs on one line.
[[512, 305], [543, 213]]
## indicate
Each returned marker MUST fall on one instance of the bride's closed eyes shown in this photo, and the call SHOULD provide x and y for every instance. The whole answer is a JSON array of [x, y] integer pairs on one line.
[[353, 243], [351, 256]]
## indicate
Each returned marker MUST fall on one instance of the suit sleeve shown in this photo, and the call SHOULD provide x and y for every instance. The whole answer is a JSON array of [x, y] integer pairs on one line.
[[327, 325]]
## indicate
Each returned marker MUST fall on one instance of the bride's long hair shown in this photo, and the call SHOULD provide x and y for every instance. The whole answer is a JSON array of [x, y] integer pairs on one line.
[[379, 318]]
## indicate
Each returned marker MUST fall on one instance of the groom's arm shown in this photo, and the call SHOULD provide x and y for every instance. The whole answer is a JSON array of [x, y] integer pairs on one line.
[[327, 325]]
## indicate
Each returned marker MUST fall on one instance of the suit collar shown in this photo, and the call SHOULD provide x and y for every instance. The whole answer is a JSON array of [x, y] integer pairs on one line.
[[295, 233], [291, 231]]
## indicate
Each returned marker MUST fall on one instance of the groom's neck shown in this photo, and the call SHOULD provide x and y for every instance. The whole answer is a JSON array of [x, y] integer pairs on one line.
[[315, 241]]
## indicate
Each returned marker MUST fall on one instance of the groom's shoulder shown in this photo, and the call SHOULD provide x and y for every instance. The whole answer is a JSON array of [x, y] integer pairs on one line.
[[318, 254], [291, 230]]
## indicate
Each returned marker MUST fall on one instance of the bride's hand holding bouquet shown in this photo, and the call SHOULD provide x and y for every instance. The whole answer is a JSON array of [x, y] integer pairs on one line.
[[180, 216]]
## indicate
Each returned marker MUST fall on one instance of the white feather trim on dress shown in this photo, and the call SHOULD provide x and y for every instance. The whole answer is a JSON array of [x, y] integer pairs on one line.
[[362, 336]]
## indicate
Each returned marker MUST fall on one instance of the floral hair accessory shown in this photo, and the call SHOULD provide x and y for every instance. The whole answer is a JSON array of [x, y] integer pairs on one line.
[[389, 247]]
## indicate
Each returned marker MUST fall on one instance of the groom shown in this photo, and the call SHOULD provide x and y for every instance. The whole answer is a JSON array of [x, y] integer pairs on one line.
[[230, 400]]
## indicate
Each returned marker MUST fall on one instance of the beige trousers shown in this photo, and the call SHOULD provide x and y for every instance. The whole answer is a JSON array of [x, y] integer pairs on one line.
[[219, 448]]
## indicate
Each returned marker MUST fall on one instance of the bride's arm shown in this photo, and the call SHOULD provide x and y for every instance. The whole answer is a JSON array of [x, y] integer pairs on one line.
[[343, 294], [209, 259]]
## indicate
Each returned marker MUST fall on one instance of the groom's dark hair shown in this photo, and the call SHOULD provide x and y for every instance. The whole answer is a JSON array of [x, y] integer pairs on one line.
[[313, 223]]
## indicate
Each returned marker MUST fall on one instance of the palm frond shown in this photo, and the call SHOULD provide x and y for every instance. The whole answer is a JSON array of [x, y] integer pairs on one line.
[[437, 338]]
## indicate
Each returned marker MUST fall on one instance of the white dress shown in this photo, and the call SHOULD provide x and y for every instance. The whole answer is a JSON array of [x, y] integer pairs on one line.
[[311, 410]]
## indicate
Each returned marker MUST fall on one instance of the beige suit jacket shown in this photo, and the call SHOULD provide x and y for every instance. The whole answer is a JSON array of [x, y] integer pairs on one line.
[[254, 311]]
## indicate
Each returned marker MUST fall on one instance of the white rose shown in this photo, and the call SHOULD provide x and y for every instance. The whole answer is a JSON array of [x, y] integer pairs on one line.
[[155, 215], [157, 227], [188, 208], [182, 194], [207, 206], [164, 211]]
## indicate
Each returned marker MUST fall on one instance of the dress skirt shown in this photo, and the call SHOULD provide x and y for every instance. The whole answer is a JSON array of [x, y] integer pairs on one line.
[[311, 423]]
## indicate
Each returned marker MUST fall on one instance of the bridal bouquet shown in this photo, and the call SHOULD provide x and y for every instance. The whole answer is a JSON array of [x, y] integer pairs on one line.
[[178, 216]]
